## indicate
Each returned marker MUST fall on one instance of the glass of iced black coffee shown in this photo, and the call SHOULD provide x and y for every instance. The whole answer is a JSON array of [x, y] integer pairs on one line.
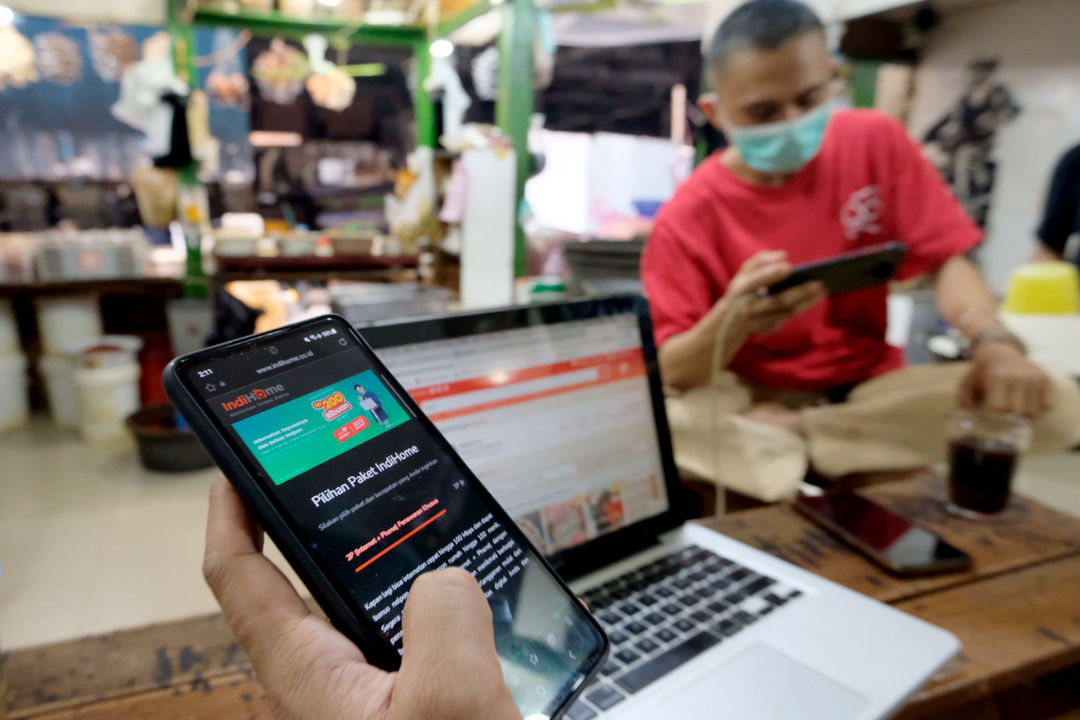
[[984, 450]]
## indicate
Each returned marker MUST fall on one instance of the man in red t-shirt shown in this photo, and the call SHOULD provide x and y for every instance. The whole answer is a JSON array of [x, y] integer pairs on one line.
[[803, 182]]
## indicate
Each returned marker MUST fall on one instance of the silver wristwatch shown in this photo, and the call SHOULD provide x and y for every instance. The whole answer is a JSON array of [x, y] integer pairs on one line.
[[995, 333]]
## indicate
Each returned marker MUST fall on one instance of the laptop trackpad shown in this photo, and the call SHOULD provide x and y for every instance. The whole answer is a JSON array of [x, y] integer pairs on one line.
[[762, 683]]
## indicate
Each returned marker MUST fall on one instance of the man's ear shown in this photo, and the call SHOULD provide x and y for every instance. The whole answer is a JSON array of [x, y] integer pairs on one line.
[[709, 104]]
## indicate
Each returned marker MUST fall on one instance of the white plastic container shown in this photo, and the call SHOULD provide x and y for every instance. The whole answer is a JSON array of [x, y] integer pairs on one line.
[[106, 397], [58, 371], [190, 322], [67, 320], [14, 405], [109, 351], [59, 374], [9, 330]]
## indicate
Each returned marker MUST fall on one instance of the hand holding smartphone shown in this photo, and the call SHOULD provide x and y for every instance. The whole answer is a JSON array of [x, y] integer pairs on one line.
[[362, 494]]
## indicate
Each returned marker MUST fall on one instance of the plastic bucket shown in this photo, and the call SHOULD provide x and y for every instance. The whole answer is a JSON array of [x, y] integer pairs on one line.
[[190, 323], [106, 397], [67, 320], [14, 406], [9, 331], [58, 371], [59, 374], [162, 445], [109, 351]]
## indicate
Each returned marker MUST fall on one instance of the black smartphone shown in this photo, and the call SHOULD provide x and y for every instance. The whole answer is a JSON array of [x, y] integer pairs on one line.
[[361, 493], [857, 270], [892, 541]]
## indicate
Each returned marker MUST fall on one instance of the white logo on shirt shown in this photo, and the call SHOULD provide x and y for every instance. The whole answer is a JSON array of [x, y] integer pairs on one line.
[[862, 212]]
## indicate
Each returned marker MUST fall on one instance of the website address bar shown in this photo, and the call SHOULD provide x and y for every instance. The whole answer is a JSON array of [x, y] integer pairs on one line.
[[506, 392]]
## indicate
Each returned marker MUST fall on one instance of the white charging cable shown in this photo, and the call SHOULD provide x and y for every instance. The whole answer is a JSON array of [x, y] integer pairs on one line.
[[737, 305]]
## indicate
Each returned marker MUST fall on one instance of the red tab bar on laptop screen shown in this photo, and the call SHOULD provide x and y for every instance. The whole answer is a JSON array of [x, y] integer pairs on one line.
[[501, 389]]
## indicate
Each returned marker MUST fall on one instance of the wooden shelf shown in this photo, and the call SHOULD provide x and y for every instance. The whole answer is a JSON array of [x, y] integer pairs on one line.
[[314, 269], [115, 286]]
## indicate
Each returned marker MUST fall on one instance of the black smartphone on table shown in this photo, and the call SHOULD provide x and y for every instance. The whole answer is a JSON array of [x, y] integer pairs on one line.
[[890, 540], [856, 270], [361, 494]]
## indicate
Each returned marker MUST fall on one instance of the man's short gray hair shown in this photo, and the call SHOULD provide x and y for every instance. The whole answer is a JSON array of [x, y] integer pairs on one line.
[[761, 25]]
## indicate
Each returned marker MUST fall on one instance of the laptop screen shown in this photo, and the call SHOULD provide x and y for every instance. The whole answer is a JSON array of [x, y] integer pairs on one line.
[[556, 419]]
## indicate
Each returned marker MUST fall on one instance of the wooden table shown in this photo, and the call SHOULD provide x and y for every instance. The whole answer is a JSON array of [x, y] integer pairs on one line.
[[1017, 615]]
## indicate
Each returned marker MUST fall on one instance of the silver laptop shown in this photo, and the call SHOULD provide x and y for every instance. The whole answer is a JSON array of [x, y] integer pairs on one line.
[[559, 411]]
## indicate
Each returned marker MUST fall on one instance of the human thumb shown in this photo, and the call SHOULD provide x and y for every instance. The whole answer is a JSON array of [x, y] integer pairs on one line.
[[449, 669]]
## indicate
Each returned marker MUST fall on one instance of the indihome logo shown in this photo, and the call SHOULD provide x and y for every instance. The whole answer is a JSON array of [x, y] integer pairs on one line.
[[255, 395]]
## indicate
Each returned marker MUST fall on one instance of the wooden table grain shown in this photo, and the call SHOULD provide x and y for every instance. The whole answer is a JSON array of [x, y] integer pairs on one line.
[[1017, 613]]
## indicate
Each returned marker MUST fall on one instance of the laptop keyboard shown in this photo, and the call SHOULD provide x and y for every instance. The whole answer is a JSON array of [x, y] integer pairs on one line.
[[668, 612]]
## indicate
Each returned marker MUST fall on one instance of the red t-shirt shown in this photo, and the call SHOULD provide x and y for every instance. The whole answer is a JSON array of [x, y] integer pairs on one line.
[[869, 184]]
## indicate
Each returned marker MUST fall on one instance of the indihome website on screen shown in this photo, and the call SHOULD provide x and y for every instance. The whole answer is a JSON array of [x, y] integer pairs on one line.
[[556, 420], [379, 501]]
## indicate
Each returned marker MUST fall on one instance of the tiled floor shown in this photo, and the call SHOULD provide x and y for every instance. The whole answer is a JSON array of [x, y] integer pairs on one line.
[[91, 542]]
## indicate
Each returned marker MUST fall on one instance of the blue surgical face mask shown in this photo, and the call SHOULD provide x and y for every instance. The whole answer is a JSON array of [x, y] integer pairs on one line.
[[785, 147]]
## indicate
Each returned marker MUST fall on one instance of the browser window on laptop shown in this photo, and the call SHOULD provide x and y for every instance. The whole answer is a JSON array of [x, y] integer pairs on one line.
[[556, 420]]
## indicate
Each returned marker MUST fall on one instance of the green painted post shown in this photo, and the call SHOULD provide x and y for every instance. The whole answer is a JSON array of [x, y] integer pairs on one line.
[[864, 82], [183, 41], [514, 107], [424, 108], [196, 283]]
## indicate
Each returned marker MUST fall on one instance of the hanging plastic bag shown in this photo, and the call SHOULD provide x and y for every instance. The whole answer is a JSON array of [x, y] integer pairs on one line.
[[227, 84], [112, 52], [412, 214], [280, 72], [328, 86], [59, 58], [18, 59]]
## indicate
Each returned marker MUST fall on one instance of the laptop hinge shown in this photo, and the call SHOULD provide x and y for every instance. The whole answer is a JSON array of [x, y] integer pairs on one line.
[[605, 554]]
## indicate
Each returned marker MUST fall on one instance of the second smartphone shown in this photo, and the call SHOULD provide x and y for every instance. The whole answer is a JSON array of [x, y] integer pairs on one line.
[[361, 493], [890, 540]]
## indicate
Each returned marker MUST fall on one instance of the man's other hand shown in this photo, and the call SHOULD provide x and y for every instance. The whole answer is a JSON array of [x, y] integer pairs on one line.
[[1003, 380], [449, 670], [743, 311]]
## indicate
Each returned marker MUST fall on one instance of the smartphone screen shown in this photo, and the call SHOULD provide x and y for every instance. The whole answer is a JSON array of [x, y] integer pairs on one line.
[[900, 544], [377, 498]]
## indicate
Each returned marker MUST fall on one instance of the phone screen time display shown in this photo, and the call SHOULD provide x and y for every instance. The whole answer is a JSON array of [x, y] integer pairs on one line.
[[378, 501]]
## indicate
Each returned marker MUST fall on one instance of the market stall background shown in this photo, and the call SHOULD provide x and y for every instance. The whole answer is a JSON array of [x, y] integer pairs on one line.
[[61, 126]]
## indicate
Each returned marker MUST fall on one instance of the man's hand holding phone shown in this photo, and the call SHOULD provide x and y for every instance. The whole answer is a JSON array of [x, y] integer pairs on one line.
[[757, 313], [449, 669], [361, 504]]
